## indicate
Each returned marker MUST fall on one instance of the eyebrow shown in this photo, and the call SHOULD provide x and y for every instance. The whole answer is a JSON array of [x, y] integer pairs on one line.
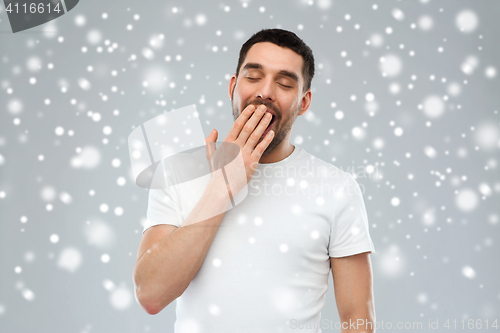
[[254, 65]]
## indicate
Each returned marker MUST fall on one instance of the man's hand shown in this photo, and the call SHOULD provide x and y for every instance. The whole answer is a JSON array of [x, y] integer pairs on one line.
[[246, 132]]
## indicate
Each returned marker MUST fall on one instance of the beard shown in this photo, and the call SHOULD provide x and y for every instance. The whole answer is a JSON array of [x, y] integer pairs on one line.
[[282, 127]]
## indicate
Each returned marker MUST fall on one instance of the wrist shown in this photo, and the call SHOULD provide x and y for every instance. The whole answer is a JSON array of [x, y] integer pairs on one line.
[[218, 189]]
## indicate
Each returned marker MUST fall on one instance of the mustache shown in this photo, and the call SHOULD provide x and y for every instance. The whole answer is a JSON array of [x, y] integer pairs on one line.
[[268, 105]]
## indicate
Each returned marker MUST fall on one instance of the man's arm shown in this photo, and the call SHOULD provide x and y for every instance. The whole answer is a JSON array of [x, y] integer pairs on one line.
[[170, 257], [353, 285]]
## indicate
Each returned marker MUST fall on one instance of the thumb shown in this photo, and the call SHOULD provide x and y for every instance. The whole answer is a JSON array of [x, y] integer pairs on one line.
[[210, 146], [213, 135]]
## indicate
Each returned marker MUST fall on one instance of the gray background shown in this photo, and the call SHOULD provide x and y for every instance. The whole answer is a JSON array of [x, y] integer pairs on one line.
[[437, 250]]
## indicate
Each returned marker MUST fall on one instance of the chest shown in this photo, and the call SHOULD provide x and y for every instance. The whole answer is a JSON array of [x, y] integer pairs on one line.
[[273, 232]]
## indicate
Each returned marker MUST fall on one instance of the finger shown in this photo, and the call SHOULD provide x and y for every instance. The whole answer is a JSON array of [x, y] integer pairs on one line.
[[250, 125], [257, 133], [261, 147], [240, 122]]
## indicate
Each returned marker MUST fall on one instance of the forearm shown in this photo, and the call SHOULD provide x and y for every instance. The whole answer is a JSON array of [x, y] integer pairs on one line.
[[360, 322], [166, 269]]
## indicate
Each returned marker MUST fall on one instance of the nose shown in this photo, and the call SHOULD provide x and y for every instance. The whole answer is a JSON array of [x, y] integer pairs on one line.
[[266, 91]]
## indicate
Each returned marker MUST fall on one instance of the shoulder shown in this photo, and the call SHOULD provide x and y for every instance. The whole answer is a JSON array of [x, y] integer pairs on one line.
[[326, 170]]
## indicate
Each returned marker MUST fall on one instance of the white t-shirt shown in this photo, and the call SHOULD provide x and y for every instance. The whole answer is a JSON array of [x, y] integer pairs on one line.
[[268, 265]]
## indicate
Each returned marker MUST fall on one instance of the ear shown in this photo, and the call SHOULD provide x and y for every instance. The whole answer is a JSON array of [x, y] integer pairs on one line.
[[306, 102], [232, 84]]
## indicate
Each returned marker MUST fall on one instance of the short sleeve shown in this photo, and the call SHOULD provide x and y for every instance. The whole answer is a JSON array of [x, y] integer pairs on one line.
[[349, 232], [162, 209]]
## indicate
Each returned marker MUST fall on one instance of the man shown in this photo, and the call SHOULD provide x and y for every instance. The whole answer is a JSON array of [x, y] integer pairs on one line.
[[263, 265]]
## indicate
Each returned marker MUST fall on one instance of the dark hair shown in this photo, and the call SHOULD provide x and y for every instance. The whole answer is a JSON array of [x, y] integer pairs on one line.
[[283, 38]]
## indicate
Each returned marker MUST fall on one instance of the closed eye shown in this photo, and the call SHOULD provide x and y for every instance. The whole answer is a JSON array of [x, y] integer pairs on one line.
[[255, 79]]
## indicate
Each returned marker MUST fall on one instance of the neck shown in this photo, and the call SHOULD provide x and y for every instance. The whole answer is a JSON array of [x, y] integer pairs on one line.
[[282, 151]]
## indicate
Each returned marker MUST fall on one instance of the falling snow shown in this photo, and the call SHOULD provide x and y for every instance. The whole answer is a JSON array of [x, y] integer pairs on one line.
[[404, 97]]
